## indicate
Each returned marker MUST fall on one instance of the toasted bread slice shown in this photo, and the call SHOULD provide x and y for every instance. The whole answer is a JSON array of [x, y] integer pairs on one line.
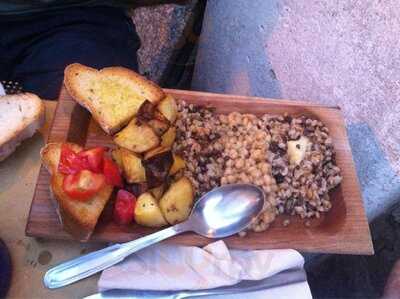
[[79, 218], [51, 153], [21, 115], [113, 95]]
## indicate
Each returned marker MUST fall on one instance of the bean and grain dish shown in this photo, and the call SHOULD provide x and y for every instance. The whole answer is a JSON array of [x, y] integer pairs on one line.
[[291, 158]]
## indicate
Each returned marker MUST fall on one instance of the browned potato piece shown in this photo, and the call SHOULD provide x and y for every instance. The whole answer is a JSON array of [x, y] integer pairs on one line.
[[178, 164], [168, 108], [146, 111], [132, 165], [148, 114], [155, 151], [177, 201], [137, 136], [117, 157], [159, 116], [158, 191], [167, 140], [137, 188], [159, 127], [157, 163], [147, 211]]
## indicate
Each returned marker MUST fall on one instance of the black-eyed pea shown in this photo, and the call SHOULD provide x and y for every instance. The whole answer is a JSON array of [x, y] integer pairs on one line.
[[257, 155], [239, 164], [233, 154], [257, 175], [231, 118], [260, 135], [228, 171], [231, 179], [272, 199], [246, 179], [268, 216], [258, 228], [251, 169], [224, 181], [238, 145], [243, 152], [264, 167], [243, 177], [266, 188], [229, 163], [259, 182], [267, 179], [223, 118]]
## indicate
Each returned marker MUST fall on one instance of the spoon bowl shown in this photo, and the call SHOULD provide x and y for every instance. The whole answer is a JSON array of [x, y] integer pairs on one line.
[[226, 210], [222, 212]]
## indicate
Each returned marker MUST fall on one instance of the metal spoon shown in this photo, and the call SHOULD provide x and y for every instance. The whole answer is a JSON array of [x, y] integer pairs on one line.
[[221, 212]]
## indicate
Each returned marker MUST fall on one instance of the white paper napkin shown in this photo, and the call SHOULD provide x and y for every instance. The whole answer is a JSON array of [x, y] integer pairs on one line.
[[167, 267], [2, 92]]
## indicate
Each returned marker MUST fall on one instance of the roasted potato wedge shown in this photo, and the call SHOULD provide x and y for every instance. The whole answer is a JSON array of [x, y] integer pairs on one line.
[[168, 108], [147, 211], [117, 157], [168, 138], [159, 116], [159, 127], [177, 201], [157, 164], [177, 165], [137, 136], [158, 191], [155, 151], [134, 171]]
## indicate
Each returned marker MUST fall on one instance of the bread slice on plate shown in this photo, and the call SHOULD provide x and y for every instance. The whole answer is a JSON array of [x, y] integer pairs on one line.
[[113, 95], [79, 218], [21, 115]]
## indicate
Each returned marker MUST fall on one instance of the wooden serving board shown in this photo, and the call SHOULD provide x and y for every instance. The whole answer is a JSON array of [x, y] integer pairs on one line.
[[344, 229]]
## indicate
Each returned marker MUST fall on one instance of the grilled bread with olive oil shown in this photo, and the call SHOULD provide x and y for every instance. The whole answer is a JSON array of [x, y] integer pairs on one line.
[[113, 95], [79, 218]]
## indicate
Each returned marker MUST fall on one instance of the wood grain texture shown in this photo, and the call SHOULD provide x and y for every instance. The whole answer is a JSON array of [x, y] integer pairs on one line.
[[343, 230]]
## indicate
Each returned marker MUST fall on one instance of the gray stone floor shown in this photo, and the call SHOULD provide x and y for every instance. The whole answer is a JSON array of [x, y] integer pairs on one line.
[[342, 53]]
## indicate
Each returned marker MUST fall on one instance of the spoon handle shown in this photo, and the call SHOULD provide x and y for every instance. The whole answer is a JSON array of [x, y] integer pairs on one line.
[[94, 262]]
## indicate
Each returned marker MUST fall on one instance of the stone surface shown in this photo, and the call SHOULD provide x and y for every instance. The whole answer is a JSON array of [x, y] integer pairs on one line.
[[160, 29], [344, 53]]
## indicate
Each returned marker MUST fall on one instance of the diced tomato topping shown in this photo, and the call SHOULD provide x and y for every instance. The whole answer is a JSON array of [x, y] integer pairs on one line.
[[94, 158], [124, 207], [83, 185], [111, 172], [71, 162]]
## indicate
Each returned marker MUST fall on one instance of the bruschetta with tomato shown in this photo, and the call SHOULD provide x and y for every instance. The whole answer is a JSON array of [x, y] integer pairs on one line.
[[81, 184]]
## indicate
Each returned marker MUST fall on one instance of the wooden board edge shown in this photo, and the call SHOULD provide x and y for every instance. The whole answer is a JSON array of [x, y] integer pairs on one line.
[[28, 219], [242, 97], [369, 250]]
